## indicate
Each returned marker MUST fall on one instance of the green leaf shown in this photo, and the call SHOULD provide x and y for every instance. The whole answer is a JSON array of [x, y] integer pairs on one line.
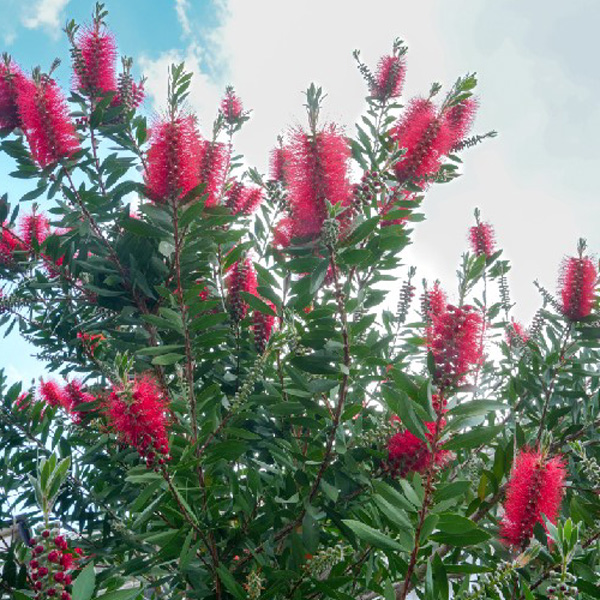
[[230, 583], [451, 490], [257, 304], [393, 513], [468, 538], [318, 275], [400, 404], [83, 586], [362, 231], [373, 536], [474, 438], [167, 359], [451, 523], [477, 407], [128, 594]]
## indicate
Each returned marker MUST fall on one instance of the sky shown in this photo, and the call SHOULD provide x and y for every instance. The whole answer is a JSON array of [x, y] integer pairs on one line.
[[538, 87]]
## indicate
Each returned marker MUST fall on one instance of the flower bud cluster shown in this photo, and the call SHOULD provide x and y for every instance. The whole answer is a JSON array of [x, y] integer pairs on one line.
[[51, 565]]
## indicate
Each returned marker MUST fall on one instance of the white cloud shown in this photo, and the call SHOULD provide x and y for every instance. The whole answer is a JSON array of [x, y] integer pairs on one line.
[[47, 14], [182, 8], [273, 49]]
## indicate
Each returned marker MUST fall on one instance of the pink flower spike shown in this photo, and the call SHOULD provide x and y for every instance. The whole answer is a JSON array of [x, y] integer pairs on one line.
[[578, 280], [482, 239], [389, 77], [173, 158], [96, 72], [137, 413], [535, 488], [10, 80], [318, 172], [231, 107], [241, 278], [46, 122]]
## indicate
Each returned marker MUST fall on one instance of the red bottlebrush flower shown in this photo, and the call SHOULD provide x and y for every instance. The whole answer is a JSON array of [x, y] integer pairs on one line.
[[482, 239], [231, 107], [535, 488], [241, 199], [262, 327], [283, 233], [10, 80], [9, 244], [459, 119], [516, 334], [241, 278], [137, 413], [173, 158], [426, 138], [577, 282], [434, 302], [317, 171], [389, 78], [34, 229], [214, 160], [407, 453], [129, 93], [76, 396], [53, 394], [279, 164], [454, 338], [96, 70], [45, 119]]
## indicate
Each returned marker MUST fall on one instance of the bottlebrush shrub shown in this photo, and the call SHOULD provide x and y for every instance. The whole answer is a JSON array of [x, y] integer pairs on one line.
[[242, 396]]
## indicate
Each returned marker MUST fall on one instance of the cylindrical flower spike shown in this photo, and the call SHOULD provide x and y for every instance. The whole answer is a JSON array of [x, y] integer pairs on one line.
[[45, 119], [278, 164], [96, 70], [427, 136], [9, 244], [137, 413], [434, 302], [454, 338], [535, 488], [459, 118], [173, 158], [244, 200], [262, 326], [10, 80], [214, 159], [482, 239], [231, 107], [241, 278], [34, 229], [407, 453], [578, 280], [389, 77], [317, 172], [53, 394]]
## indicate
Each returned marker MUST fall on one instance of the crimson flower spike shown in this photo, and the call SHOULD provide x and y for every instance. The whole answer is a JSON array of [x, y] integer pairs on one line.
[[428, 134], [454, 338], [535, 489], [34, 229], [94, 53], [45, 120], [482, 238], [10, 80], [173, 158], [240, 278], [231, 107], [389, 78], [214, 161], [578, 280], [137, 413]]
